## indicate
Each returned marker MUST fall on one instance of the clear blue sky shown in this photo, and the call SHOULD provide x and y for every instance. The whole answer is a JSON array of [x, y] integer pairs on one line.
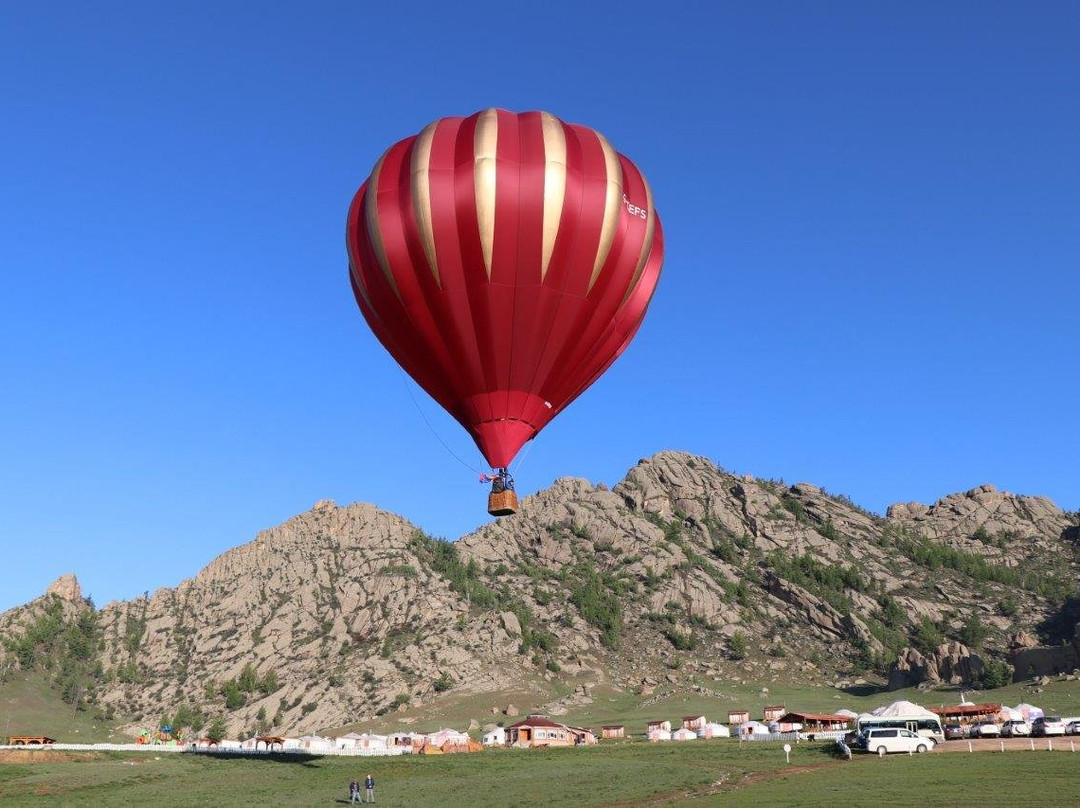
[[872, 215]]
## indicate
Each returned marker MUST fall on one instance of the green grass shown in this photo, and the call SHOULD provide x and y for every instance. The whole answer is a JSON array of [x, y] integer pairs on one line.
[[592, 776], [28, 706], [946, 779], [702, 773]]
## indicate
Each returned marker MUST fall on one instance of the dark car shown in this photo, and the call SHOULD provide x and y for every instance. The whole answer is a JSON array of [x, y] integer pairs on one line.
[[954, 732]]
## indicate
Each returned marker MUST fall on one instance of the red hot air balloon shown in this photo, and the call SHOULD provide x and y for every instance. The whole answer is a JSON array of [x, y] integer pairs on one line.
[[505, 261]]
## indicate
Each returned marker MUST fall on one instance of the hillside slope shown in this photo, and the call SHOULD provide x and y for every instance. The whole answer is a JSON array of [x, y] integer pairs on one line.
[[681, 572]]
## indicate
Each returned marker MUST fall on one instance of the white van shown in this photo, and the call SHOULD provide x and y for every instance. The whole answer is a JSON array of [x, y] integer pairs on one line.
[[884, 740]]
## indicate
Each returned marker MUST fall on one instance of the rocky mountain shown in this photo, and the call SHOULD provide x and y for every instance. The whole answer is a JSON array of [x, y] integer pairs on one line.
[[680, 571]]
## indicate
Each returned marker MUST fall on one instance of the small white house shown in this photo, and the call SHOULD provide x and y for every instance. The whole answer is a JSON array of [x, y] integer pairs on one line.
[[497, 737], [750, 729]]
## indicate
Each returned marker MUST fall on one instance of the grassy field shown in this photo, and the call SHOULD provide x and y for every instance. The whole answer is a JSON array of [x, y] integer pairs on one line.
[[984, 779], [702, 773], [28, 706]]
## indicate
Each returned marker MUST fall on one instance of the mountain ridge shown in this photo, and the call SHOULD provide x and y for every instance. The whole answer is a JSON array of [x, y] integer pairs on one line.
[[681, 570]]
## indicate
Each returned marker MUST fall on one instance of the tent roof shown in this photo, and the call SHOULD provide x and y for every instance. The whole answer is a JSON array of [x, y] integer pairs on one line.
[[967, 709], [903, 709], [831, 717], [537, 721]]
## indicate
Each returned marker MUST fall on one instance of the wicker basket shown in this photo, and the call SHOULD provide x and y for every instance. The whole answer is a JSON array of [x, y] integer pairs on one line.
[[503, 503]]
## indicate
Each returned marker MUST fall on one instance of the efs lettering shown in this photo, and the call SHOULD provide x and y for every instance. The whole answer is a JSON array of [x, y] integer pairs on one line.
[[634, 210]]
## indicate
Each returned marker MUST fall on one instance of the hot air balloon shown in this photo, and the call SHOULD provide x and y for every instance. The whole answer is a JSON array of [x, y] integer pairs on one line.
[[505, 261]]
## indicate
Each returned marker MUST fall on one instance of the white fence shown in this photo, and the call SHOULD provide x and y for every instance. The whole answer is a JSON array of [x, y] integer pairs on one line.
[[102, 747], [825, 735], [346, 752], [213, 750]]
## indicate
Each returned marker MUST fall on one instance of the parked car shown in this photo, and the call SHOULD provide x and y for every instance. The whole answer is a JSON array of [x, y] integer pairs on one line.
[[954, 732], [881, 741], [985, 729], [1047, 725], [1015, 729], [1073, 728]]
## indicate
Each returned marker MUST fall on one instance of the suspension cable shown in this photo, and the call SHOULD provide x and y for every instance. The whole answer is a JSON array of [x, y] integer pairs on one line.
[[405, 381]]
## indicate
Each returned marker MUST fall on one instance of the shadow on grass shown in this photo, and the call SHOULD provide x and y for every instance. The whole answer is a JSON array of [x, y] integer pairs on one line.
[[304, 759], [865, 690]]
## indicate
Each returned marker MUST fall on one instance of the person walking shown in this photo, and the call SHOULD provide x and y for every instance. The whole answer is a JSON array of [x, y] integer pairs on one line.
[[354, 792], [369, 787]]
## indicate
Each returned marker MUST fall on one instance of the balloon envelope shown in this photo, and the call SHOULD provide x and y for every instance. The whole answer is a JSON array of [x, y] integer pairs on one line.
[[505, 261]]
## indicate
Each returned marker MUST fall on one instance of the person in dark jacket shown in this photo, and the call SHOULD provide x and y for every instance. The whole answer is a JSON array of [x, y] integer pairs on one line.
[[369, 787], [354, 792]]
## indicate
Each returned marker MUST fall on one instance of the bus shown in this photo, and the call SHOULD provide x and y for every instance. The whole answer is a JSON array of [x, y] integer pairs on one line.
[[928, 726]]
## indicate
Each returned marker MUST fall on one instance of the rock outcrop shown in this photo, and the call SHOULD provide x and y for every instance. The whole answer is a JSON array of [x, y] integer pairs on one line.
[[951, 664], [1004, 527], [67, 588], [680, 573]]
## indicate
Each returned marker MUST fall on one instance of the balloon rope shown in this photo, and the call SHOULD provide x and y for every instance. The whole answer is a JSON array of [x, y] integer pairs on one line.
[[521, 461], [405, 381]]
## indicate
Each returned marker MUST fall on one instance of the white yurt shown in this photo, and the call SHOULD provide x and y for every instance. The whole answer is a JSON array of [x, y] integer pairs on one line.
[[1030, 711], [1008, 714], [684, 734], [497, 737], [714, 730], [447, 735], [316, 743], [350, 741], [659, 735]]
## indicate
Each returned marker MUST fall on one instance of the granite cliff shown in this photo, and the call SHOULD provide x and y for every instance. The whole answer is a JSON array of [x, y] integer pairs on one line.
[[680, 571]]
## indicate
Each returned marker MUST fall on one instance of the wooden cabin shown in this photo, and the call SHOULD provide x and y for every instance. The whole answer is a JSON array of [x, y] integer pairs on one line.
[[583, 736], [694, 722], [772, 713], [610, 732], [736, 717]]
